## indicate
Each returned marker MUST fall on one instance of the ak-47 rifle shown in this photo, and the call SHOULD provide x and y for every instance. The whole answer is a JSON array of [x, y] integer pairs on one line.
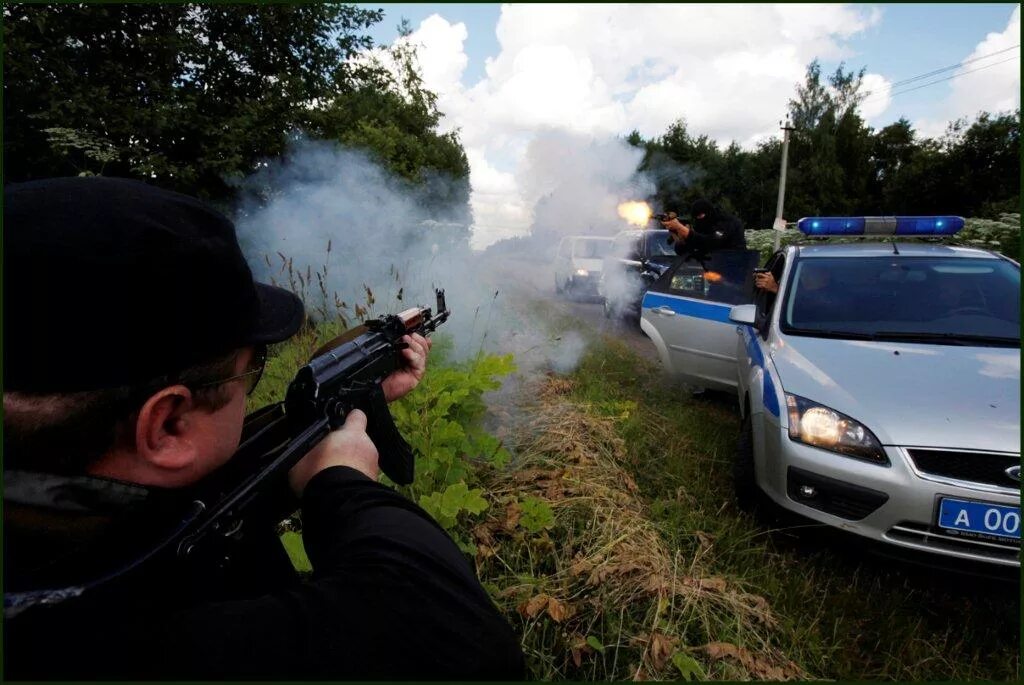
[[251, 491], [345, 374]]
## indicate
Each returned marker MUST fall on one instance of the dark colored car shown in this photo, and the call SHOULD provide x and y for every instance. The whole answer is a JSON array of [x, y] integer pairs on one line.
[[636, 261]]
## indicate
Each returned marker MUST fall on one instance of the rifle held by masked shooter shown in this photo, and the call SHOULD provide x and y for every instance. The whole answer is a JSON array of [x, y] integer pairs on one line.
[[668, 216]]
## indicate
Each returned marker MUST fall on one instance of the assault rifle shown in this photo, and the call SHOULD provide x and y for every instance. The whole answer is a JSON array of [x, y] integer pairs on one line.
[[343, 375], [251, 491]]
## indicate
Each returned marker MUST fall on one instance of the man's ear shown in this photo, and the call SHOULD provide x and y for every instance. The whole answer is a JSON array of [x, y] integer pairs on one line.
[[163, 430]]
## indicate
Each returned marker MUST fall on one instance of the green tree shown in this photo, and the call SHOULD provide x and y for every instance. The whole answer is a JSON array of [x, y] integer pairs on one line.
[[892, 149], [839, 165], [186, 96], [394, 116], [972, 170], [684, 167], [986, 163], [830, 149]]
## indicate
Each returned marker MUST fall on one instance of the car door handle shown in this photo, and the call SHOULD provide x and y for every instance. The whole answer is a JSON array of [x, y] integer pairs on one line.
[[665, 311]]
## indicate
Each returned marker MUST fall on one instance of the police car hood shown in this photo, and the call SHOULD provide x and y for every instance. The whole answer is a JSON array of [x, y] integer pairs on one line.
[[911, 394]]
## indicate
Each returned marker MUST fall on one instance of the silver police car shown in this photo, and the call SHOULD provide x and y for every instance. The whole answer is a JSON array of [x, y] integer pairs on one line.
[[879, 388]]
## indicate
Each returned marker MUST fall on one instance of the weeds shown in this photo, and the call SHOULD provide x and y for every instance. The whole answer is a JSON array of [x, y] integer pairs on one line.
[[581, 568]]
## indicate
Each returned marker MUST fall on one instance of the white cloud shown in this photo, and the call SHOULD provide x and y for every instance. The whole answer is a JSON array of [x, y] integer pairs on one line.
[[442, 57], [877, 91], [991, 86], [598, 71]]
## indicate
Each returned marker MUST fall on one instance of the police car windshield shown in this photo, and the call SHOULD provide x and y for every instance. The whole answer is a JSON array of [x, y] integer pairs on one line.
[[943, 300], [658, 245]]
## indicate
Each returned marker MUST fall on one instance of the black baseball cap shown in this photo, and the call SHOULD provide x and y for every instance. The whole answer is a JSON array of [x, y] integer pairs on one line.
[[111, 282]]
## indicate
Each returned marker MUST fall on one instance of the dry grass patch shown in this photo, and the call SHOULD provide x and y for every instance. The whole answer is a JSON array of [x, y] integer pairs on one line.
[[575, 560]]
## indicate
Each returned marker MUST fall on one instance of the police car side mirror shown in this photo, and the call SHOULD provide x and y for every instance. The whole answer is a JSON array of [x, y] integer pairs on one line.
[[743, 314]]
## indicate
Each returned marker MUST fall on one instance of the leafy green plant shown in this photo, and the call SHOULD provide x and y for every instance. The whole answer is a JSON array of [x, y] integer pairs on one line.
[[595, 644], [94, 150], [457, 498], [1001, 235], [441, 420], [537, 515], [292, 542], [764, 241], [689, 668]]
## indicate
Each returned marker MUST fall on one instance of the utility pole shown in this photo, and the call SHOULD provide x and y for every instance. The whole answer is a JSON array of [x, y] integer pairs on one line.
[[780, 223]]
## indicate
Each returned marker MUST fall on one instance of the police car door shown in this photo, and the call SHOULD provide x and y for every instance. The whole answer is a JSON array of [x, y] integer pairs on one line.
[[686, 314]]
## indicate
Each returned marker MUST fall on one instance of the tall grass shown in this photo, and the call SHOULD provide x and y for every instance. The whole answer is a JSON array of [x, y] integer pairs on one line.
[[594, 584]]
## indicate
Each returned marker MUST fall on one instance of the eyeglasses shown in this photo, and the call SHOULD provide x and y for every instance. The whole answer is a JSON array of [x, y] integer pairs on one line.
[[252, 375]]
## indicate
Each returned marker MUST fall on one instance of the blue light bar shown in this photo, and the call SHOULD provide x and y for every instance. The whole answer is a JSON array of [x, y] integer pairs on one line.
[[880, 225]]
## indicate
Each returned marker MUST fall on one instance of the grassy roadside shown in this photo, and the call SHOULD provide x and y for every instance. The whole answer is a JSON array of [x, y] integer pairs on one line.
[[763, 609]]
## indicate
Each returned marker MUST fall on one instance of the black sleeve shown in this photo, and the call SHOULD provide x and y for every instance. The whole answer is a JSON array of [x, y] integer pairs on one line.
[[391, 597], [724, 234]]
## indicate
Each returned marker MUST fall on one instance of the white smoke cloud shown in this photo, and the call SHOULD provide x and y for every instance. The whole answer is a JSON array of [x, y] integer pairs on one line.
[[566, 352], [329, 223], [575, 182], [601, 70]]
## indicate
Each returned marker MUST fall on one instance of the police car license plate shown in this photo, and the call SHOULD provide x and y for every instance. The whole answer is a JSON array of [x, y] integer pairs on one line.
[[979, 519]]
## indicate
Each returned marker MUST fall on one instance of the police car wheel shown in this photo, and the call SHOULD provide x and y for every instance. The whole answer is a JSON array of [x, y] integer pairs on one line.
[[743, 478]]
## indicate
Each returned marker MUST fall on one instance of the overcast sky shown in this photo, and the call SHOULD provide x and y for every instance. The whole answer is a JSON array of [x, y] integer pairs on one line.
[[507, 73]]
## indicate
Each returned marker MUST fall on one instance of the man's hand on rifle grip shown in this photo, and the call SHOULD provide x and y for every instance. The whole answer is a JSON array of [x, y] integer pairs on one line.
[[677, 227], [414, 357], [347, 446]]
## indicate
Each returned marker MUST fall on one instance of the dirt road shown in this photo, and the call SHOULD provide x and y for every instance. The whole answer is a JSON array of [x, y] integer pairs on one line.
[[527, 281]]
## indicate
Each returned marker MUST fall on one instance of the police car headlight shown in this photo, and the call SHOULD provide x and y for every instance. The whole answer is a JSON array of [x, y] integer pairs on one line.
[[815, 424]]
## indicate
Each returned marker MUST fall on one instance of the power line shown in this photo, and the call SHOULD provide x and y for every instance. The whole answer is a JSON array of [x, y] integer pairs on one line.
[[872, 95], [949, 68], [932, 83]]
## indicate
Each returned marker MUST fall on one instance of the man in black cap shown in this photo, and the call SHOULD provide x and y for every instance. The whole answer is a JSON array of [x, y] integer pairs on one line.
[[133, 331], [712, 229]]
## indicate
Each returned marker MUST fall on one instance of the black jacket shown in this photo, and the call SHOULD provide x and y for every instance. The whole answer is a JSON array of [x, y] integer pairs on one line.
[[391, 597], [716, 231]]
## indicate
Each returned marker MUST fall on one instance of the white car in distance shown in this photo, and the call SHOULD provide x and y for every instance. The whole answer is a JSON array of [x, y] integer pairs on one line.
[[578, 264]]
